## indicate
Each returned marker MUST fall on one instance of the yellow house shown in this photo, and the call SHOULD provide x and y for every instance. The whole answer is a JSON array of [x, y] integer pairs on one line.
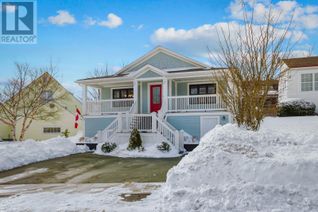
[[41, 130]]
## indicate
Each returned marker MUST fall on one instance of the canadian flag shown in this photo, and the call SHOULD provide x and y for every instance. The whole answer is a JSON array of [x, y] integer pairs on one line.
[[77, 116]]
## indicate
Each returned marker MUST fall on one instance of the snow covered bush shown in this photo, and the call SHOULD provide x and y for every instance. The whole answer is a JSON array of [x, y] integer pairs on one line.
[[296, 107], [108, 147], [135, 141], [234, 169], [164, 147]]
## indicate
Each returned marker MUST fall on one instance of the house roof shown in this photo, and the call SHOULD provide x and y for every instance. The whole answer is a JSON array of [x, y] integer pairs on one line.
[[301, 62]]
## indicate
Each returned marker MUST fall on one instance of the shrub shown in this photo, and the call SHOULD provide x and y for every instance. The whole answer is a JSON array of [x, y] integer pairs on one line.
[[164, 147], [135, 141], [297, 107], [108, 147], [66, 133]]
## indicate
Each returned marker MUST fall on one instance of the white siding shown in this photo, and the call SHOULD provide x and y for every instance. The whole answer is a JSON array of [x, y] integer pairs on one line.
[[292, 89]]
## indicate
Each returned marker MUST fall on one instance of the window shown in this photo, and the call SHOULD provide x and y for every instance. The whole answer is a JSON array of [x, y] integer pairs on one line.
[[126, 93], [202, 89], [316, 82], [51, 130], [306, 82], [47, 96]]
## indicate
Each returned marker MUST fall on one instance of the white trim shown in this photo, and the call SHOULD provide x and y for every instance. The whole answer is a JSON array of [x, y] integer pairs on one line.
[[151, 79], [170, 87], [175, 88], [199, 113], [207, 117], [148, 87], [100, 116], [141, 96], [163, 50], [145, 69]]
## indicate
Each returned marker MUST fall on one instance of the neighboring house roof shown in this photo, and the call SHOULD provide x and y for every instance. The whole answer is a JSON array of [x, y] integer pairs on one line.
[[301, 62]]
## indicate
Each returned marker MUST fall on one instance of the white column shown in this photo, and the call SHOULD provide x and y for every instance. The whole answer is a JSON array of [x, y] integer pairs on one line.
[[164, 94], [154, 122], [135, 96], [84, 98]]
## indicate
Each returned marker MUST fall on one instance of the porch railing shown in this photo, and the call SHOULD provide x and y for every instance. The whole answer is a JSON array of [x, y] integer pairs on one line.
[[195, 103], [108, 106]]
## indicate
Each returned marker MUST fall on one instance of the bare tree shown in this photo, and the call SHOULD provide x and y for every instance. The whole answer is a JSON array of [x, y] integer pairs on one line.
[[252, 55], [95, 93], [29, 96]]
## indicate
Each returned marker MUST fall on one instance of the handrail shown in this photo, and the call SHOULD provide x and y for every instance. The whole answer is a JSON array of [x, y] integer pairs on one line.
[[169, 133], [195, 103], [109, 131], [192, 96]]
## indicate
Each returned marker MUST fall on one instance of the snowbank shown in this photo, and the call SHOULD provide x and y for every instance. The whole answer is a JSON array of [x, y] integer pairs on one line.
[[240, 170], [15, 154]]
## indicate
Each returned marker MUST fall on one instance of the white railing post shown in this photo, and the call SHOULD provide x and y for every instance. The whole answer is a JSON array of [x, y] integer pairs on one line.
[[84, 97], [154, 121], [164, 95], [120, 122], [135, 90], [177, 139]]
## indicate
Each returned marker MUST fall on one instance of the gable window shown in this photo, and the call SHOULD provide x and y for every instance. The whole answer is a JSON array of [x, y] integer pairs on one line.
[[202, 89], [47, 96], [126, 93], [51, 130]]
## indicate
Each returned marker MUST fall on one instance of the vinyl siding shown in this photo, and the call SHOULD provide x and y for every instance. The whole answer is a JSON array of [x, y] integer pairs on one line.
[[149, 74], [182, 89], [162, 61], [93, 125], [192, 124], [106, 93]]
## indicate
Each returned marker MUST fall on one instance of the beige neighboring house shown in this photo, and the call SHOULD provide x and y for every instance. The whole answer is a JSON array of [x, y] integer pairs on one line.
[[42, 130]]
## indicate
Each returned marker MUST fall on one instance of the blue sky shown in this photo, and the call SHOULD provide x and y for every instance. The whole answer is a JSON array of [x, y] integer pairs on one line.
[[78, 36]]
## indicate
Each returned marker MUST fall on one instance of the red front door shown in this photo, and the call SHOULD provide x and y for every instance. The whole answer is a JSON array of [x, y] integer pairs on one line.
[[155, 98]]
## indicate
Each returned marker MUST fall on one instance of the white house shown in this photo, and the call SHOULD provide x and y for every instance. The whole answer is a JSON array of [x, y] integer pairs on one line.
[[301, 80]]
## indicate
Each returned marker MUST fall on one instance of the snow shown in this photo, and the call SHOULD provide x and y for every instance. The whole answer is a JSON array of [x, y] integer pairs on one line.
[[233, 169], [77, 197], [150, 151], [296, 102], [15, 154]]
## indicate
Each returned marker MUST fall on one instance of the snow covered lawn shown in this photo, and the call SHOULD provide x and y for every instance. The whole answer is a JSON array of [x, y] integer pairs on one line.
[[275, 169], [80, 197], [15, 154]]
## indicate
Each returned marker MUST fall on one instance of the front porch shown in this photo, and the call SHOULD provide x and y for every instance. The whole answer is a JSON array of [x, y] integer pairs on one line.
[[166, 96]]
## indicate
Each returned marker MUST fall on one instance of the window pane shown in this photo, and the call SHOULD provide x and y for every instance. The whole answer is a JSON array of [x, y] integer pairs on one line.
[[316, 82], [306, 82], [202, 89], [116, 94], [130, 93], [306, 78], [193, 90], [123, 94], [156, 95], [212, 89]]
